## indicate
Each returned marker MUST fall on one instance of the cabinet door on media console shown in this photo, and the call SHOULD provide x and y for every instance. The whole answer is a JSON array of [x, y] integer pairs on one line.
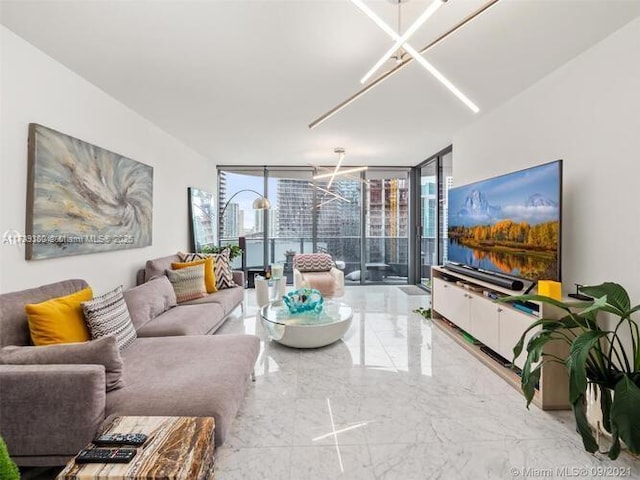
[[512, 326], [452, 302], [485, 321]]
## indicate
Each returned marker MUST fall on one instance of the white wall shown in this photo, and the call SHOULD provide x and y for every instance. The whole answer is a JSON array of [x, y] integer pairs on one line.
[[587, 113], [36, 88]]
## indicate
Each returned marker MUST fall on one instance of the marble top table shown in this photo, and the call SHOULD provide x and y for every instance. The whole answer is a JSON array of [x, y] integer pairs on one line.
[[177, 448]]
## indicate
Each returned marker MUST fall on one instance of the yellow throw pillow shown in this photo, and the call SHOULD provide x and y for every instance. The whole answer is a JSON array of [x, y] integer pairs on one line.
[[209, 274], [59, 320]]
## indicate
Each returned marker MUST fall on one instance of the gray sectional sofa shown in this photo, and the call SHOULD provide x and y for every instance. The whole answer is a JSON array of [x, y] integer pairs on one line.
[[174, 368]]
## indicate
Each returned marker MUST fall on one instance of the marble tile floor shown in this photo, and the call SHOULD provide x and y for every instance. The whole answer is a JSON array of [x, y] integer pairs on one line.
[[395, 399]]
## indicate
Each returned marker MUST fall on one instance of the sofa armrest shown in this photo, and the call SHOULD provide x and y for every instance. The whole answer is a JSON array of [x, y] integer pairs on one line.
[[238, 277], [140, 277], [50, 410], [338, 278], [298, 281]]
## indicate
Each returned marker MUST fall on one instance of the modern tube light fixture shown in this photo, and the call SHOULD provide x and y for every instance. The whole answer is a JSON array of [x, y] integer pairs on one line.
[[345, 171], [431, 9], [417, 56], [341, 106]]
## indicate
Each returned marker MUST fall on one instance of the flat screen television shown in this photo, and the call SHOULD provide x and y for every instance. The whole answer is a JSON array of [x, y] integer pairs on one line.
[[509, 224]]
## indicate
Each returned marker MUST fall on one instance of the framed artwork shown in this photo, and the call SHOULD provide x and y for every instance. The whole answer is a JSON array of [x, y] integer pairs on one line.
[[201, 212], [84, 199]]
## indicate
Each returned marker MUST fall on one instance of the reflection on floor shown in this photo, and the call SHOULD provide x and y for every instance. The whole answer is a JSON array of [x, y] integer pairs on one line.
[[396, 399]]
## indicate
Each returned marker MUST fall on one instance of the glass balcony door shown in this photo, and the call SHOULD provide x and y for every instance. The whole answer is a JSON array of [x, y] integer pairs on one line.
[[435, 179], [428, 220], [386, 227]]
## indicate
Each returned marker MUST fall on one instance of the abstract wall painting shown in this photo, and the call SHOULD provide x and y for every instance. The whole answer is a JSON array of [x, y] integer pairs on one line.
[[84, 199]]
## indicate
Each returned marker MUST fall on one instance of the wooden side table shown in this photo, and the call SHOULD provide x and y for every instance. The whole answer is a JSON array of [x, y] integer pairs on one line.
[[177, 448]]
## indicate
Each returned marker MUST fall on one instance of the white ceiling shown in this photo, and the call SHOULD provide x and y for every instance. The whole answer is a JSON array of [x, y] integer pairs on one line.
[[239, 81]]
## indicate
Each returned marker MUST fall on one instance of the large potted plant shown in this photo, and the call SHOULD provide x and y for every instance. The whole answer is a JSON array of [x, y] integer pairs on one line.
[[8, 469], [605, 359]]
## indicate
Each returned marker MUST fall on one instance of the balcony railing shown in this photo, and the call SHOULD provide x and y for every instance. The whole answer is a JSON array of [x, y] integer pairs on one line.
[[392, 252]]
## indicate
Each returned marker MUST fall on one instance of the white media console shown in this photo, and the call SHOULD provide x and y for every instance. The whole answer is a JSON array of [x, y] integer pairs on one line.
[[463, 301]]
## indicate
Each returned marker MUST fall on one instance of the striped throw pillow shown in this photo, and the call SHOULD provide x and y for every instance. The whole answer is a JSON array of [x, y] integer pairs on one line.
[[222, 267], [188, 283], [313, 262], [108, 315]]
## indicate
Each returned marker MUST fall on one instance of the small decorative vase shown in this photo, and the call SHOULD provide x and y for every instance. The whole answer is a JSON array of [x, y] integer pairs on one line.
[[304, 300]]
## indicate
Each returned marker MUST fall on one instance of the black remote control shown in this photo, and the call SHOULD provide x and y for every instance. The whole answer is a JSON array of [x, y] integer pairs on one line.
[[106, 455], [117, 439], [580, 296]]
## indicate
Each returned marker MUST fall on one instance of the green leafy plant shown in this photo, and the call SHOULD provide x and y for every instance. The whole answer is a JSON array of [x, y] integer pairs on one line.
[[234, 250], [425, 312], [597, 357], [8, 469]]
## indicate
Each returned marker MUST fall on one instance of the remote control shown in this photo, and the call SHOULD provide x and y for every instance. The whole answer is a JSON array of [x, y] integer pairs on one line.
[[117, 439], [106, 455], [580, 296]]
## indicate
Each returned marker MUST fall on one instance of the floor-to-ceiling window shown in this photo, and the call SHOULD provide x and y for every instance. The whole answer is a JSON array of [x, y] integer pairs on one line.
[[238, 188], [291, 218], [320, 215], [339, 223]]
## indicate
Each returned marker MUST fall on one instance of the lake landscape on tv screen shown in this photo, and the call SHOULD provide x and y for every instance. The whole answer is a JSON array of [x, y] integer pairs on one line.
[[509, 224]]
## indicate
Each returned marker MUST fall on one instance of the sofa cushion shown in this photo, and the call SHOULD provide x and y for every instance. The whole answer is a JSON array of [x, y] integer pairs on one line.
[[108, 315], [158, 266], [322, 281], [229, 299], [147, 301], [313, 262], [209, 274], [188, 283], [202, 376], [59, 320], [103, 351], [185, 320]]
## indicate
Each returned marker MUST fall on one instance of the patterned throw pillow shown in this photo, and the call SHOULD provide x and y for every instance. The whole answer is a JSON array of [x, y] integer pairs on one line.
[[313, 262], [222, 268], [209, 272], [108, 315], [188, 283]]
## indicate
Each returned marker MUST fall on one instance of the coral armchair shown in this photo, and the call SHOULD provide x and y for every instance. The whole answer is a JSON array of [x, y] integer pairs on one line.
[[317, 270]]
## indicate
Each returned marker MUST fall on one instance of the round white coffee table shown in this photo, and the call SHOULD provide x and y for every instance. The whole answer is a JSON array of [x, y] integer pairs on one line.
[[306, 330]]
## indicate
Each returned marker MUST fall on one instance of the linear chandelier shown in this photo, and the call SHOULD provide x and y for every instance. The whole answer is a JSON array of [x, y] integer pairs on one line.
[[401, 40], [345, 171], [329, 192], [413, 55], [331, 174], [337, 171]]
